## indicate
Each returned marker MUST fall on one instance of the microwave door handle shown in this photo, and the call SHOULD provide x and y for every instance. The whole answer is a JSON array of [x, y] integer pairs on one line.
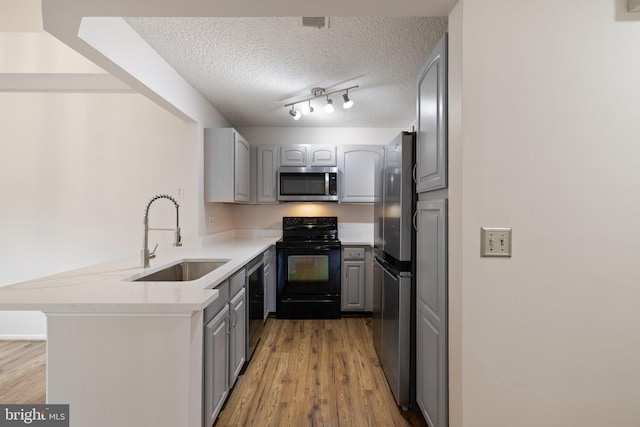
[[326, 183]]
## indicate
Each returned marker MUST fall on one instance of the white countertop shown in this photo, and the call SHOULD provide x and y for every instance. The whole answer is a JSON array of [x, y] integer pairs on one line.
[[103, 288]]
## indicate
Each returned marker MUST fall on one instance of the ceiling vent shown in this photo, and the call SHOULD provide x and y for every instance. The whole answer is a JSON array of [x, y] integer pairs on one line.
[[315, 22]]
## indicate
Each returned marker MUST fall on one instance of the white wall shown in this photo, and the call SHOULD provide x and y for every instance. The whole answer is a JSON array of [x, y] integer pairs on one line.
[[549, 145], [455, 206], [76, 172]]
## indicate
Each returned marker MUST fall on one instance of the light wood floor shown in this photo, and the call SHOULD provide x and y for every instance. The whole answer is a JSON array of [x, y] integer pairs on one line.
[[315, 373], [303, 373], [22, 372]]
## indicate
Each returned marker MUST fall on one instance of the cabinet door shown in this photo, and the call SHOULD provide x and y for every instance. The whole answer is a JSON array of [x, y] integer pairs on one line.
[[219, 165], [357, 165], [431, 173], [293, 155], [353, 285], [242, 169], [320, 155], [266, 183], [238, 336], [226, 166], [216, 365], [431, 309]]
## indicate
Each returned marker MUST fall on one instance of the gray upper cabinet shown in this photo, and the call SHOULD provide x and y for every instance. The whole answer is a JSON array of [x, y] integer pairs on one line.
[[293, 155], [227, 157], [357, 165], [431, 168], [266, 176], [322, 155], [303, 155]]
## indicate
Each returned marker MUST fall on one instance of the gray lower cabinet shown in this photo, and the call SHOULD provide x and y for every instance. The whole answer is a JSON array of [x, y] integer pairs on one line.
[[353, 279], [225, 337], [237, 335], [431, 312], [216, 362]]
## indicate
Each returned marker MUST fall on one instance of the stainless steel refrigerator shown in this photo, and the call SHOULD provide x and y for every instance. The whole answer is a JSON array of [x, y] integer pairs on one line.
[[393, 269]]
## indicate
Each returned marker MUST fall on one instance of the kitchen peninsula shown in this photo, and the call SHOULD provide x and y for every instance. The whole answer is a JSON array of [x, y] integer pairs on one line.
[[129, 353]]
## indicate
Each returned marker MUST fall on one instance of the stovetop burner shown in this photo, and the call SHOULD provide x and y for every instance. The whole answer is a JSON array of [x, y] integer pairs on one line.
[[311, 229]]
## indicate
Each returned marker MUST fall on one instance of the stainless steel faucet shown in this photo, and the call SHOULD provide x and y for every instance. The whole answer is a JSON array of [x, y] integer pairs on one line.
[[146, 255]]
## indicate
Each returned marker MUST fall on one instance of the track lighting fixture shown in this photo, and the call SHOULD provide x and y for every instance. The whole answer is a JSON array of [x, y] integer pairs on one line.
[[317, 92]]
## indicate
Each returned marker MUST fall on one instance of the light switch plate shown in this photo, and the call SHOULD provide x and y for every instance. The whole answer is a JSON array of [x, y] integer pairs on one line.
[[495, 242]]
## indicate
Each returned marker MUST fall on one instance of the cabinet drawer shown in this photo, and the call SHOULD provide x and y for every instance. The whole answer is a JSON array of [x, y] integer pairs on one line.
[[236, 282], [213, 308], [353, 253]]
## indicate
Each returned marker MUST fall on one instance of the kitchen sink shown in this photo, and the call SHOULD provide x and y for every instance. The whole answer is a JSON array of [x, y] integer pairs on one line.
[[183, 271]]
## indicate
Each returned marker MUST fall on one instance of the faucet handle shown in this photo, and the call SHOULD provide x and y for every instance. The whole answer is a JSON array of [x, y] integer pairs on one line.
[[152, 254]]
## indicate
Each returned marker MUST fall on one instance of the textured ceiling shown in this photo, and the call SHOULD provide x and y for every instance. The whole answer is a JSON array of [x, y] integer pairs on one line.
[[248, 68]]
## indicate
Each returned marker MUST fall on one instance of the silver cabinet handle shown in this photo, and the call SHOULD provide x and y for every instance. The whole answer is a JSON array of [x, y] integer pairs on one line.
[[414, 173], [414, 220]]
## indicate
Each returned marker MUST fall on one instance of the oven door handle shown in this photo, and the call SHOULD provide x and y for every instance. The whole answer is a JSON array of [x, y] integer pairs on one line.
[[323, 248]]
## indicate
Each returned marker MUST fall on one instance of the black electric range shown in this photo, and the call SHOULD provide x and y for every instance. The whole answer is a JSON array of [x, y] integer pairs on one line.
[[309, 268]]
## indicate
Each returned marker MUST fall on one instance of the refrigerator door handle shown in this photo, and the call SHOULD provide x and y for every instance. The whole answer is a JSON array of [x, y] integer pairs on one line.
[[415, 217]]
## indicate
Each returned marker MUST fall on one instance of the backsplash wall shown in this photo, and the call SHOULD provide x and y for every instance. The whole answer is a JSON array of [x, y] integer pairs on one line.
[[270, 216]]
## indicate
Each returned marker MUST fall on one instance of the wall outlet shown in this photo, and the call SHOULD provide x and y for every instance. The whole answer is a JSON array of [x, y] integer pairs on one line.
[[495, 242], [180, 193]]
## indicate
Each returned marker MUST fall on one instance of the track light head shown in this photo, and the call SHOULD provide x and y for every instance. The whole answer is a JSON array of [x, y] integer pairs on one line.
[[295, 114], [329, 108], [307, 108], [348, 103]]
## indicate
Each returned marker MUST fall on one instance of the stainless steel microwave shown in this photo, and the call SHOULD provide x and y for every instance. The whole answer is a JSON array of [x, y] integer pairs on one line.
[[308, 184]]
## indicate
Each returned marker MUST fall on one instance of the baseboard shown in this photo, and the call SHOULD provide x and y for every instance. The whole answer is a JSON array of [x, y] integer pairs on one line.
[[357, 314], [23, 337]]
